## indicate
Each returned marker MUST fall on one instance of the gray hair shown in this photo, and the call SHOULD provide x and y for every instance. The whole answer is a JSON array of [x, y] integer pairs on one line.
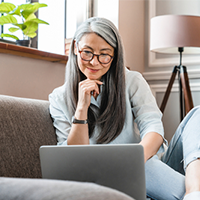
[[101, 27]]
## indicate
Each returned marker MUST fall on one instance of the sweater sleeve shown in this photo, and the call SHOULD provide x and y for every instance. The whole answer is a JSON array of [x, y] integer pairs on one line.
[[147, 115], [59, 114]]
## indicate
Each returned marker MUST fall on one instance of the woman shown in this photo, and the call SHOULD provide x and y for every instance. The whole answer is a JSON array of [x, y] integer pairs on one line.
[[103, 102]]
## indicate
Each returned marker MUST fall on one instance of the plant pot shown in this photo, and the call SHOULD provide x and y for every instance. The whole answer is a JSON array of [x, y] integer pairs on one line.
[[26, 43]]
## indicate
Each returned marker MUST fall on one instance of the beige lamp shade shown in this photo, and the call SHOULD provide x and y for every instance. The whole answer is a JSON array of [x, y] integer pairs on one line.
[[168, 32]]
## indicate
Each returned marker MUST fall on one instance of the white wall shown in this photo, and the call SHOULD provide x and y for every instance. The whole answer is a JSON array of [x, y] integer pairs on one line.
[[131, 28], [30, 78]]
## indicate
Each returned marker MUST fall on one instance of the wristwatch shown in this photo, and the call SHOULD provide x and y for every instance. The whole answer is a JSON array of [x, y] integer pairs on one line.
[[77, 121]]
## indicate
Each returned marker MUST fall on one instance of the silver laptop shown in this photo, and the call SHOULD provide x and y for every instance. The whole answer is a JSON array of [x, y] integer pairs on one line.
[[116, 166]]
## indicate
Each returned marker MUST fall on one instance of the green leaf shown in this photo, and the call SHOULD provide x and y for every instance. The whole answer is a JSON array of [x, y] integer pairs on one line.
[[31, 27], [39, 21], [16, 11], [31, 35], [8, 19], [6, 7], [27, 13], [21, 26], [25, 6], [35, 6], [13, 29], [29, 9], [31, 16], [9, 35]]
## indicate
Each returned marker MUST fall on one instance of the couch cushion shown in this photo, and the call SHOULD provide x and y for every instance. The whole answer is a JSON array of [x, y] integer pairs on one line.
[[38, 189], [25, 125]]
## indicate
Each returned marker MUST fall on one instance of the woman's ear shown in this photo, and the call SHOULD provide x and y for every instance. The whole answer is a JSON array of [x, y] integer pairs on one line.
[[75, 48]]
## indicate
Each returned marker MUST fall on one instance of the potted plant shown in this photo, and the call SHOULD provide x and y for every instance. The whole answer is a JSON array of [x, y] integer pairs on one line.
[[28, 23]]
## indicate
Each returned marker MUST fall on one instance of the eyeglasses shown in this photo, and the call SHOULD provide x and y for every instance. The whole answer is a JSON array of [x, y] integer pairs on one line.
[[88, 56]]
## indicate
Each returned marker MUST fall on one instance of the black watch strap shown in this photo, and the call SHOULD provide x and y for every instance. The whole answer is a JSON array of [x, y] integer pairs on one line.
[[77, 121]]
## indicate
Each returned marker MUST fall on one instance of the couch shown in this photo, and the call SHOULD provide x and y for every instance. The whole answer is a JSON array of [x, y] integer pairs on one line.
[[25, 125]]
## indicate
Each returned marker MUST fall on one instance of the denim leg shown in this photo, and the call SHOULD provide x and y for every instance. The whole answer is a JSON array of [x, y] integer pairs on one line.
[[165, 179], [163, 182], [173, 157], [185, 144]]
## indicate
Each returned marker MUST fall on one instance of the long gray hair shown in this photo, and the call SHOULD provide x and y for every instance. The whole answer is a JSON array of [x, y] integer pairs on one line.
[[111, 115]]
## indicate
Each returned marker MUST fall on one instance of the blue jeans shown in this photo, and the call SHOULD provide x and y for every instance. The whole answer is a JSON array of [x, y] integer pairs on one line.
[[165, 178]]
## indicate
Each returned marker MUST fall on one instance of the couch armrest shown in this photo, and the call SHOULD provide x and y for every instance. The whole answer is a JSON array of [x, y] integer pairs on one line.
[[25, 125]]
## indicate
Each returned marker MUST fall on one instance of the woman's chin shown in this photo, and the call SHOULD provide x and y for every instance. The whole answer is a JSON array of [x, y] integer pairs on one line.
[[93, 77]]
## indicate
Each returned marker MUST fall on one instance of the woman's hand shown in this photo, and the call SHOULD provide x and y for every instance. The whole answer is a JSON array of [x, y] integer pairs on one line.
[[86, 89]]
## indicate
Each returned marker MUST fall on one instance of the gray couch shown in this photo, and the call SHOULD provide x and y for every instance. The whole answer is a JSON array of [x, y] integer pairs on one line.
[[25, 125]]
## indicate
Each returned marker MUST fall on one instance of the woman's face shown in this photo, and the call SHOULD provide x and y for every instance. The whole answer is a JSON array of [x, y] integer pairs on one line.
[[92, 43]]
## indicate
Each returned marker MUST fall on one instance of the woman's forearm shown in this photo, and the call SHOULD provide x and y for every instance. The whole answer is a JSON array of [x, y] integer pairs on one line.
[[79, 133], [151, 144]]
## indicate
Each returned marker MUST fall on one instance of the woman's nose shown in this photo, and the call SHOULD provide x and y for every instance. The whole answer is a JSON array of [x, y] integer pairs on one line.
[[94, 61]]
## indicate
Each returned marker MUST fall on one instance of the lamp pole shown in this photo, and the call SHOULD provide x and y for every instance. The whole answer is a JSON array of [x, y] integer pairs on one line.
[[181, 99]]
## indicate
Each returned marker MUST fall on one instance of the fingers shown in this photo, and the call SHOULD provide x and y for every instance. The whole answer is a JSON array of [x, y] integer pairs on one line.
[[90, 87], [86, 89], [97, 81], [95, 93]]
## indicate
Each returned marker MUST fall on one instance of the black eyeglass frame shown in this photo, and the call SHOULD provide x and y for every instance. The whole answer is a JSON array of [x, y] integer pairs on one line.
[[97, 55]]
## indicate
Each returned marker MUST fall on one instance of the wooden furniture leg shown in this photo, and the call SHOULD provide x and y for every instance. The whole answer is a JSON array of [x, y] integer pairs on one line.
[[169, 87], [186, 89], [186, 102]]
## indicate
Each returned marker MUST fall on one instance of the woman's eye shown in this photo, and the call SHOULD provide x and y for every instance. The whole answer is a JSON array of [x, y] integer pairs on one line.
[[87, 52], [104, 55]]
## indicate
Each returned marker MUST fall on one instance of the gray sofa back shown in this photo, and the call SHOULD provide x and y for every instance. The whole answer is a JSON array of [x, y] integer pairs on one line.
[[25, 125]]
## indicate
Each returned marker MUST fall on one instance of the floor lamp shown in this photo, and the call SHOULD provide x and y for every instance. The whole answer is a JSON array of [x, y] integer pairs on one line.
[[174, 34]]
